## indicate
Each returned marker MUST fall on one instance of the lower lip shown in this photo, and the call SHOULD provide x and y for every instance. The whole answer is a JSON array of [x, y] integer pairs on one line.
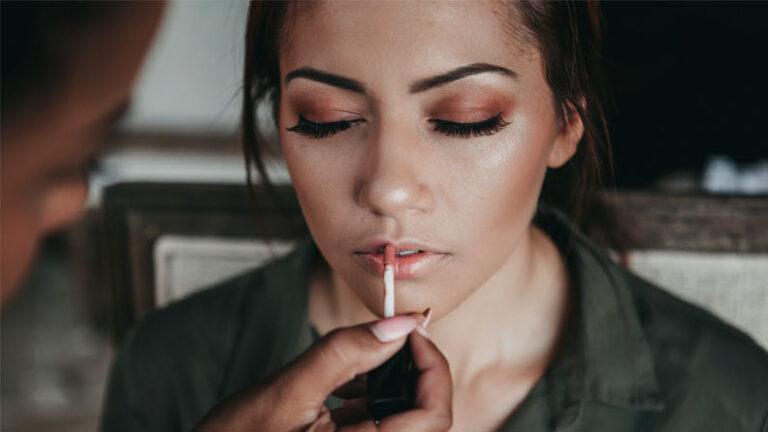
[[406, 267]]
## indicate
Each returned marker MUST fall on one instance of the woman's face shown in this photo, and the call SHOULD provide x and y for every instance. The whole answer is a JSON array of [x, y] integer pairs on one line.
[[425, 125]]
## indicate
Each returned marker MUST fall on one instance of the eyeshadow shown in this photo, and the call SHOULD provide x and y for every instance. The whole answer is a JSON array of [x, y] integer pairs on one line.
[[466, 113]]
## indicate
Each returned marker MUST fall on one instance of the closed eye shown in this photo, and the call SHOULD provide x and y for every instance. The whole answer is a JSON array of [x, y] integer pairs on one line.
[[321, 130], [485, 127]]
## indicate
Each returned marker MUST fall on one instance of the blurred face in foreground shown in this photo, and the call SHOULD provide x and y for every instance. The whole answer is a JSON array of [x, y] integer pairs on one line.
[[46, 151], [425, 125]]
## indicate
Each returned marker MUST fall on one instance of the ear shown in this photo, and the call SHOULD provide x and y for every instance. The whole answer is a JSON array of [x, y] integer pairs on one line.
[[568, 137]]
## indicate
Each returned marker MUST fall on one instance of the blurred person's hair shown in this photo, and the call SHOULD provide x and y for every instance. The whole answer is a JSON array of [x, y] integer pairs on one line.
[[568, 35], [39, 39]]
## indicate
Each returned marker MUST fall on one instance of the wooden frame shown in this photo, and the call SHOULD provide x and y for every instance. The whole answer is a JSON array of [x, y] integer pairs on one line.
[[135, 215], [686, 222]]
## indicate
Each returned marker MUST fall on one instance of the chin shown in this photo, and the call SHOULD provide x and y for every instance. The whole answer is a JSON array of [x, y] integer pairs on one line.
[[373, 300], [418, 302], [411, 296]]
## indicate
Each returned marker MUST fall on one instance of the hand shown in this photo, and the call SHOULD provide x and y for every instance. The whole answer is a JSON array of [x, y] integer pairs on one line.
[[293, 398]]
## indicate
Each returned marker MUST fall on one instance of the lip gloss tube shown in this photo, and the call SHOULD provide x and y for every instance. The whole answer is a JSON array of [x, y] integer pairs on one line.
[[392, 386]]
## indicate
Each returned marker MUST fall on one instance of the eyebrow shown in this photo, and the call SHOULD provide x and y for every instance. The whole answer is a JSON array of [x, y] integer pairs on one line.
[[417, 87], [326, 78], [457, 74]]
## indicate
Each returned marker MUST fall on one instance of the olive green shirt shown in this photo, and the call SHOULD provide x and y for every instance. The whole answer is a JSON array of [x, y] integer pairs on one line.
[[633, 357]]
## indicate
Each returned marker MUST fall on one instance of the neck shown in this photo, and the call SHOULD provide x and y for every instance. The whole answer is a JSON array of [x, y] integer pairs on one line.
[[512, 321]]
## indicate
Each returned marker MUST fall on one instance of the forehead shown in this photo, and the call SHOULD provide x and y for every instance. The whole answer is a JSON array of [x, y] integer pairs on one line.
[[402, 40]]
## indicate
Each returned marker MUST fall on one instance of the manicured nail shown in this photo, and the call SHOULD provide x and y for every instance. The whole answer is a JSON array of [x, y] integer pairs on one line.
[[422, 331], [394, 328], [427, 317]]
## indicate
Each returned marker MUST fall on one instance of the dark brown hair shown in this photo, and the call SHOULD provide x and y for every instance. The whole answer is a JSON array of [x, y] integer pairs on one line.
[[567, 33], [38, 39]]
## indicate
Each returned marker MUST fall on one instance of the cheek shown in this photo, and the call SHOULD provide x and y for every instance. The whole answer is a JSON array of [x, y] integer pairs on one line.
[[63, 203], [490, 203], [322, 175], [517, 188], [19, 241], [502, 190], [26, 217], [20, 232]]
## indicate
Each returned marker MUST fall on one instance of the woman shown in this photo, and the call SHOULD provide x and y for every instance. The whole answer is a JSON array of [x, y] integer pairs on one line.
[[433, 127]]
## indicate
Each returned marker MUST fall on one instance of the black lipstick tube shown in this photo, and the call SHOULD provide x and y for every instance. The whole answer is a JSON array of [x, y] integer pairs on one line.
[[392, 386]]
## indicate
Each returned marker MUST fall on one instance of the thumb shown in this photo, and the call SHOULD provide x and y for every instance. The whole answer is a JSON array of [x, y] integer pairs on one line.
[[343, 354]]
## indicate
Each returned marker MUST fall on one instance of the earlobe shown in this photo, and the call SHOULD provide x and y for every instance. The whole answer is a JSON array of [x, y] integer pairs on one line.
[[567, 140]]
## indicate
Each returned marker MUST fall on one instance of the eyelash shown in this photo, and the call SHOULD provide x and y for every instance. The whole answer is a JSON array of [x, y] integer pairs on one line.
[[321, 130], [485, 127]]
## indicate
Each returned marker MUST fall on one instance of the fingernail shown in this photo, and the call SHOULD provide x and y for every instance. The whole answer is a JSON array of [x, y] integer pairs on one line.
[[393, 328], [427, 317], [422, 331]]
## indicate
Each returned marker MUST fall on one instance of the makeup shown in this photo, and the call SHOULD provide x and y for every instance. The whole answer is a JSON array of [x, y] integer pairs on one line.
[[413, 258], [392, 386]]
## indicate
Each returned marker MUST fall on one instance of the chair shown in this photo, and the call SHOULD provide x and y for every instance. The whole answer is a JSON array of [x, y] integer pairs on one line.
[[710, 250], [163, 241]]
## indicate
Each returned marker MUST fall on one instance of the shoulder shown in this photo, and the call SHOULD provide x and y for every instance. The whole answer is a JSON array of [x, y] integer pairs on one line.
[[699, 356], [708, 372], [207, 324], [187, 344], [167, 372], [174, 365], [204, 317], [667, 318]]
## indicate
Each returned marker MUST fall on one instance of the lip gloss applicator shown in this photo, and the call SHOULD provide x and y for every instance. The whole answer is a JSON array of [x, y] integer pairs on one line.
[[389, 281], [392, 386]]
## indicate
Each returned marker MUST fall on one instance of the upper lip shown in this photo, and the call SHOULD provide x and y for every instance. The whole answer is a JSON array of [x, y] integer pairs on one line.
[[376, 245]]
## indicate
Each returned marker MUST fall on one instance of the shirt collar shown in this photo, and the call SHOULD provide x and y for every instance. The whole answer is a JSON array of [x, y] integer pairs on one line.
[[606, 357]]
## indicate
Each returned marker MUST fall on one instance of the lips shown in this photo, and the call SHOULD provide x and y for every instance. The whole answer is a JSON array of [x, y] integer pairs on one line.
[[412, 259]]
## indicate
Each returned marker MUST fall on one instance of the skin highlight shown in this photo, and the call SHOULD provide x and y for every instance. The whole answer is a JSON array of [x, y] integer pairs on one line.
[[500, 297]]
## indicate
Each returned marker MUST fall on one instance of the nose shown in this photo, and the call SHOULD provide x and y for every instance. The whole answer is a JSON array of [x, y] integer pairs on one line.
[[393, 179]]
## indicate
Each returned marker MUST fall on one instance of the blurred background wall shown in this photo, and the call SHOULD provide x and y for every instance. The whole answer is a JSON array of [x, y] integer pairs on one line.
[[688, 88], [191, 82], [686, 79]]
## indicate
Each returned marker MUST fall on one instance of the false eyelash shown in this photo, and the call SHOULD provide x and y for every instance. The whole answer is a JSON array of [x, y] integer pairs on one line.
[[321, 130], [485, 127]]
